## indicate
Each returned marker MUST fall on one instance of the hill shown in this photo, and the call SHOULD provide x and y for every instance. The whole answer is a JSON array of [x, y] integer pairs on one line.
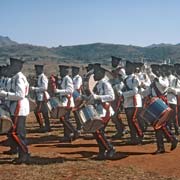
[[97, 52], [6, 41]]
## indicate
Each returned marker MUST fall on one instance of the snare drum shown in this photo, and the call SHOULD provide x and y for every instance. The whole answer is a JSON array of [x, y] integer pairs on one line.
[[5, 119], [56, 108], [157, 113], [77, 98], [90, 119]]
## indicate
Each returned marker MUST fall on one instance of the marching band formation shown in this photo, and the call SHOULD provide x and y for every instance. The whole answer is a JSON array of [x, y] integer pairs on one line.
[[148, 94]]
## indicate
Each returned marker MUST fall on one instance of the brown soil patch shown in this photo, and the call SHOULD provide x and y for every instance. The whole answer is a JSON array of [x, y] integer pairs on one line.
[[51, 159]]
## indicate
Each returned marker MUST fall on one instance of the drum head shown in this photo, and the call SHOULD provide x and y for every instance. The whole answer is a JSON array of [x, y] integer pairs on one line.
[[5, 124], [164, 118], [108, 73]]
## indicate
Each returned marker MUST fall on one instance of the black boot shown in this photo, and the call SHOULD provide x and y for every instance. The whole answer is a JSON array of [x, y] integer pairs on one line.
[[101, 155], [159, 151], [110, 153], [10, 152], [23, 158], [174, 144]]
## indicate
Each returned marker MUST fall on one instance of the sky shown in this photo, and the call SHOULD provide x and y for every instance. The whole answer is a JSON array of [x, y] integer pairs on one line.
[[72, 22]]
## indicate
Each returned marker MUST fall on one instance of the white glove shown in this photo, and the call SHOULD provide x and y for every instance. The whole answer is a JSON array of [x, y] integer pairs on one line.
[[56, 91], [32, 88], [3, 93], [120, 93], [96, 97], [171, 90]]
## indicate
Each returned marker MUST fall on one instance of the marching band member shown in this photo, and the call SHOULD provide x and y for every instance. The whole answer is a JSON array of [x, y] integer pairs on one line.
[[77, 82], [19, 109], [119, 74], [102, 97], [132, 103], [174, 90], [172, 98], [158, 89], [140, 72], [64, 91], [42, 97]]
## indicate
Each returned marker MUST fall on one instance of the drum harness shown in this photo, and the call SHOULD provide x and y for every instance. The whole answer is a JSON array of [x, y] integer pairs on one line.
[[158, 93]]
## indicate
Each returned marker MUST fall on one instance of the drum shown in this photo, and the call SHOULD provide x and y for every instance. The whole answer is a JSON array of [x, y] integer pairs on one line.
[[157, 113], [32, 101], [5, 119], [90, 119], [77, 98], [56, 108], [32, 104], [88, 84]]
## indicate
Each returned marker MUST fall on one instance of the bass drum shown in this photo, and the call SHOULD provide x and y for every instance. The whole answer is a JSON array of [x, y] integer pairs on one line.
[[89, 83], [5, 119], [90, 119], [156, 113], [56, 108]]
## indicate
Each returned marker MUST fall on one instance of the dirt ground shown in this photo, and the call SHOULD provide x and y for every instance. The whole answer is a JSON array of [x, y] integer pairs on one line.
[[51, 159]]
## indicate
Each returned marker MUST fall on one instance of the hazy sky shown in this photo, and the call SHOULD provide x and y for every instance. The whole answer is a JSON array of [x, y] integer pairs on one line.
[[70, 22]]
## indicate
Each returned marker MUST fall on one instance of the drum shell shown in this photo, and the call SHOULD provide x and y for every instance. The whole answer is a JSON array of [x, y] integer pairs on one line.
[[5, 119], [32, 104], [77, 98], [56, 108], [90, 119], [157, 113]]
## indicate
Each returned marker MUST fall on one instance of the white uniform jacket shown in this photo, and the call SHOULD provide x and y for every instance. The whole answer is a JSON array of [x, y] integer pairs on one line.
[[77, 82], [161, 85], [66, 90], [18, 95], [41, 89], [173, 83], [131, 95], [105, 93]]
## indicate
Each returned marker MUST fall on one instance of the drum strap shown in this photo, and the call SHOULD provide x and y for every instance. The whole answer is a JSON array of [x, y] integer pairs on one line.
[[120, 99], [106, 106], [45, 98], [69, 101], [147, 101], [159, 94], [134, 101]]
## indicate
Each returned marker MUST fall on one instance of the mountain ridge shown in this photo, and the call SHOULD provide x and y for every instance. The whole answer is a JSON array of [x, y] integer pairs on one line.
[[93, 52]]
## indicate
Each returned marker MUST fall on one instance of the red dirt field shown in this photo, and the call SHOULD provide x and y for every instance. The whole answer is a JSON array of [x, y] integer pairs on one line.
[[51, 159]]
